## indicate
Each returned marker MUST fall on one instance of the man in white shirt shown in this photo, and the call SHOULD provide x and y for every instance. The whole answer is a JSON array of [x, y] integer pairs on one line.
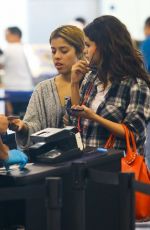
[[17, 77], [17, 73]]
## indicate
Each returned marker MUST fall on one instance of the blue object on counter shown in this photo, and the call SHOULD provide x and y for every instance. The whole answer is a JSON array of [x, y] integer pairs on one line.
[[101, 150], [16, 156]]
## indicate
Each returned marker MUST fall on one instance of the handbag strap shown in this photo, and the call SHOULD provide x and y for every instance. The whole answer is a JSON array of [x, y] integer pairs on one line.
[[131, 150], [111, 139], [130, 140], [110, 142]]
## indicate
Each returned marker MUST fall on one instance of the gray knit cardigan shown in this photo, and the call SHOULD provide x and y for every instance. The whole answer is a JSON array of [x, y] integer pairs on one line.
[[44, 110]]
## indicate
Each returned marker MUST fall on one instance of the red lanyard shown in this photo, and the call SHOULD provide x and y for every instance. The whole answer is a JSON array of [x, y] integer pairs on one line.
[[83, 103], [87, 94]]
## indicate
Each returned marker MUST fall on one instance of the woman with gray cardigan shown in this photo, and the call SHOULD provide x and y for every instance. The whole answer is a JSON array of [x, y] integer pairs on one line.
[[46, 106]]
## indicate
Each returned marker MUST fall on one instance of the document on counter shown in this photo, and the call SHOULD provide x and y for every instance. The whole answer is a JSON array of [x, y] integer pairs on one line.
[[14, 167]]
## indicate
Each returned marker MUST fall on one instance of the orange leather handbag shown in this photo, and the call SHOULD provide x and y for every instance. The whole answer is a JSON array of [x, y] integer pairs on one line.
[[135, 163]]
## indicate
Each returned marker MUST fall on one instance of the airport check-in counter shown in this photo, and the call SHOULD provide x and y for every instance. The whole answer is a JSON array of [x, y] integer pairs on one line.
[[28, 189]]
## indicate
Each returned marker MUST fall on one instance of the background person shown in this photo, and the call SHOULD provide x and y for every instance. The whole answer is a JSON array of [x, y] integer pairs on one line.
[[80, 22], [46, 106], [145, 45], [145, 49], [119, 90], [17, 77], [1, 67]]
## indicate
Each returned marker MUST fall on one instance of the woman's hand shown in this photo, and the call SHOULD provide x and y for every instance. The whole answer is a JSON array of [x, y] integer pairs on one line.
[[83, 111], [78, 71], [16, 124], [3, 123]]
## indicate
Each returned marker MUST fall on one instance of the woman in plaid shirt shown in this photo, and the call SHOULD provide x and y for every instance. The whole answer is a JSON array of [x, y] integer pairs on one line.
[[115, 87]]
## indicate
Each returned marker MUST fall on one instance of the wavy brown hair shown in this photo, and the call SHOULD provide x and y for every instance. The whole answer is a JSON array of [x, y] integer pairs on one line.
[[119, 57]]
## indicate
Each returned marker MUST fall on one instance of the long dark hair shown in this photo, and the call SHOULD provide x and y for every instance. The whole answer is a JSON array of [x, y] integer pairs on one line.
[[118, 56]]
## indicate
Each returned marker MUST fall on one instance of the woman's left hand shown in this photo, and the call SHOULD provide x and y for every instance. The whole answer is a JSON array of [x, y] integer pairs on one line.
[[82, 111]]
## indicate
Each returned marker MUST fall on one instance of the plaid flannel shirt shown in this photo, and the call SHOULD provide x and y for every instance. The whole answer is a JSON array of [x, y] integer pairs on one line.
[[126, 102]]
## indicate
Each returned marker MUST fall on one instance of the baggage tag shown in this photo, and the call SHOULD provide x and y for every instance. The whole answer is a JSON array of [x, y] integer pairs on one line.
[[79, 141]]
